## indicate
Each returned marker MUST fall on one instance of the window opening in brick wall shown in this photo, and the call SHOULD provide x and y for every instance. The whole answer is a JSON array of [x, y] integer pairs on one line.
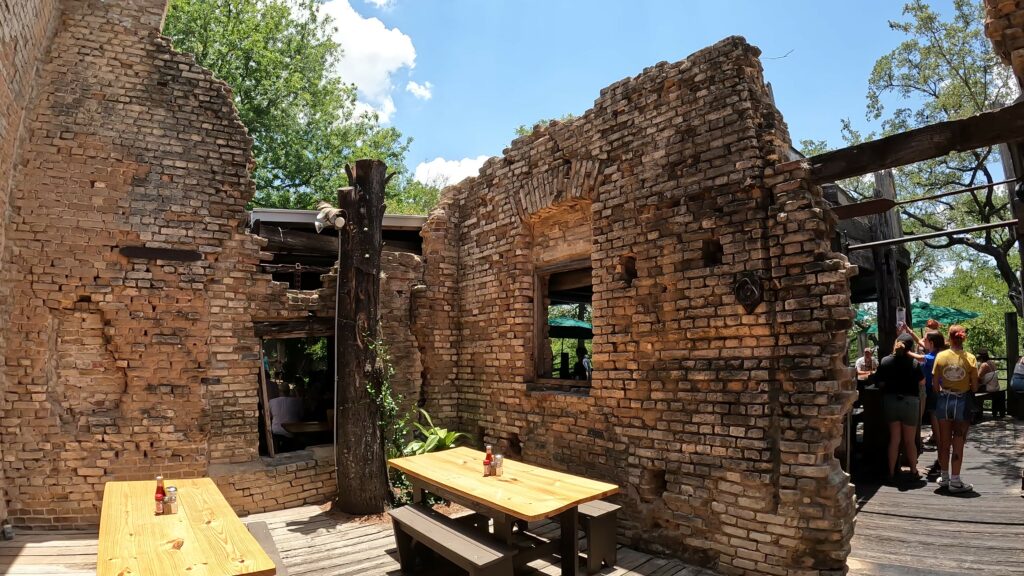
[[297, 374], [564, 329]]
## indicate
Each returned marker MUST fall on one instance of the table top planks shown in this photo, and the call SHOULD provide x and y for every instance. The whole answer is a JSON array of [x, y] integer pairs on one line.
[[205, 537], [525, 491]]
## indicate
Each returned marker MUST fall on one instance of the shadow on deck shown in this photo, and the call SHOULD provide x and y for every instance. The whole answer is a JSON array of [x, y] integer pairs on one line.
[[920, 529], [310, 543], [913, 531]]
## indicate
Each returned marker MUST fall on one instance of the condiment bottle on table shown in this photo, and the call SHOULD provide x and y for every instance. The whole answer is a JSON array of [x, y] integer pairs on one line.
[[488, 460]]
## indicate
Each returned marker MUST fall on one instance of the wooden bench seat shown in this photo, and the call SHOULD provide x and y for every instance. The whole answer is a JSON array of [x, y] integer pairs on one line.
[[472, 550], [261, 532], [598, 518]]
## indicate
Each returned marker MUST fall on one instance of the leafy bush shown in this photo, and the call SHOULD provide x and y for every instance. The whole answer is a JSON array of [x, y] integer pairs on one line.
[[434, 438]]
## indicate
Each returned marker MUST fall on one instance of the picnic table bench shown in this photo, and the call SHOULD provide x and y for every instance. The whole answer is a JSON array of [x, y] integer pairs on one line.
[[524, 493]]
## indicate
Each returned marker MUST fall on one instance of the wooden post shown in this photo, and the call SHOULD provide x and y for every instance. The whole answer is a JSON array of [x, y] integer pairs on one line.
[[887, 279], [1012, 156], [1012, 344], [1012, 356], [359, 446], [266, 405]]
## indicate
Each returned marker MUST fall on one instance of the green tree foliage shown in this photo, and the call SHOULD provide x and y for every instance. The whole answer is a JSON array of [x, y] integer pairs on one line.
[[524, 130], [943, 70], [946, 70], [583, 312], [977, 288], [413, 197], [279, 59]]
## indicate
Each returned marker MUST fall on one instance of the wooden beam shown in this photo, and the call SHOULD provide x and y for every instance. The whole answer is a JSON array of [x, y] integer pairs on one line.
[[987, 129], [304, 328], [928, 235], [571, 280], [170, 254], [287, 240]]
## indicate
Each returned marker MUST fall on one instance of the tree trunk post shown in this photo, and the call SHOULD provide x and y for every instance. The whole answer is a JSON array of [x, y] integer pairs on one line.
[[359, 446], [887, 278]]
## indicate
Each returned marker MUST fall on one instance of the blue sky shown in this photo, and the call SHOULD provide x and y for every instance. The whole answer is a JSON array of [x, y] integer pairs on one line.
[[459, 76]]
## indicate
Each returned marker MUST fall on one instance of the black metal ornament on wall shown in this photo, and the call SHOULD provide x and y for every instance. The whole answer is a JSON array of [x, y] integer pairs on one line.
[[749, 290]]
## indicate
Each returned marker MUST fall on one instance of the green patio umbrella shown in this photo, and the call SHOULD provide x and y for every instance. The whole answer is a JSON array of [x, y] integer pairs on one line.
[[921, 312], [561, 327]]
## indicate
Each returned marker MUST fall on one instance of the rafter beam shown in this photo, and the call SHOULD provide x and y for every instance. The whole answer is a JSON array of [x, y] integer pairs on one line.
[[987, 129]]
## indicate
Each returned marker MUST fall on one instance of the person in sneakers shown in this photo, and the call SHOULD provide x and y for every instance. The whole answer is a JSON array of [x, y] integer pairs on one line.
[[955, 375], [933, 344], [899, 377]]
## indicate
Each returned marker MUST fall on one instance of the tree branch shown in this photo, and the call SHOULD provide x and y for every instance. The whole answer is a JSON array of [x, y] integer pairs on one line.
[[922, 221]]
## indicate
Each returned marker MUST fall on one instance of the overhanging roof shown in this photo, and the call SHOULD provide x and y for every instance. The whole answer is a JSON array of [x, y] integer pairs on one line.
[[280, 216]]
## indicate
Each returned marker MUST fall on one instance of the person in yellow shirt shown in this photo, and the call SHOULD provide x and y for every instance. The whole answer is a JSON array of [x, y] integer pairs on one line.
[[955, 376]]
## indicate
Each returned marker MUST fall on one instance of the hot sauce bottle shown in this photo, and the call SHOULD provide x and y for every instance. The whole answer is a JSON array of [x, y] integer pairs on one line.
[[488, 459], [160, 495]]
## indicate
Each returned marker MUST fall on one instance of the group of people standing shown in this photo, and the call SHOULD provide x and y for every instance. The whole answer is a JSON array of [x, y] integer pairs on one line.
[[937, 384]]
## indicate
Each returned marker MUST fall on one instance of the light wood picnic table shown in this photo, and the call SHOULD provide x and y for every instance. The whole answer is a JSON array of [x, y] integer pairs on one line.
[[205, 537], [524, 492]]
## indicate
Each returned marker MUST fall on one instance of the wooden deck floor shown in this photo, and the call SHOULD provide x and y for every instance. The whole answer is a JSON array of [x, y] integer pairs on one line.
[[921, 530], [310, 542], [909, 532]]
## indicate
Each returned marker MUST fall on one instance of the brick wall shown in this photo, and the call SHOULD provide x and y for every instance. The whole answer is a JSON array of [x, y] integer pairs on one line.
[[718, 423], [1004, 25], [25, 32], [287, 481]]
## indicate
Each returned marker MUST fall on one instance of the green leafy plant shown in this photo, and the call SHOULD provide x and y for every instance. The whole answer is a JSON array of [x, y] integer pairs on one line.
[[434, 438]]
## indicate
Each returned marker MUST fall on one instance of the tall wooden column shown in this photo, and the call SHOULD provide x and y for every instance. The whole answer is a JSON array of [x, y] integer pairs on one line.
[[887, 276], [359, 448]]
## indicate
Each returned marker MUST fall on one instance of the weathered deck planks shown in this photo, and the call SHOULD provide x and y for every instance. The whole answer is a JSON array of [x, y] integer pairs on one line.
[[916, 532], [921, 530], [310, 543]]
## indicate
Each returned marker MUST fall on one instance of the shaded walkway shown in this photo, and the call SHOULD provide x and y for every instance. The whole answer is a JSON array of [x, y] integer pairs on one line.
[[921, 530]]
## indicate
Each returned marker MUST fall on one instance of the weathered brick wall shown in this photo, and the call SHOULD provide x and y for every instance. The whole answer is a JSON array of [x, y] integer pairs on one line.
[[25, 32], [402, 273], [718, 424], [287, 481], [123, 368], [435, 310], [1004, 25]]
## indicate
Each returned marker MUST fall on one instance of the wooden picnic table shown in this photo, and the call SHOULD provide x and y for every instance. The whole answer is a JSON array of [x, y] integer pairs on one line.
[[205, 537], [524, 492]]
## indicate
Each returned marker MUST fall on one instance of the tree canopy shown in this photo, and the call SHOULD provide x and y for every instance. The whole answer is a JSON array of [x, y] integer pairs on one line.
[[944, 70], [977, 288], [280, 60]]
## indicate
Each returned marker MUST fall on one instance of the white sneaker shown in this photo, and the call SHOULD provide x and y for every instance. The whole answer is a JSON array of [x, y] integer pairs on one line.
[[943, 482], [956, 486]]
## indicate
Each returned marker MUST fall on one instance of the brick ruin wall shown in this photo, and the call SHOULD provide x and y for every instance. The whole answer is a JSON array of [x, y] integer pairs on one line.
[[719, 425], [120, 368], [1004, 26], [26, 29]]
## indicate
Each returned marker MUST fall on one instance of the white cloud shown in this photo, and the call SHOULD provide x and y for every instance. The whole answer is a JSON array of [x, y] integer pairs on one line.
[[443, 172], [382, 4], [373, 53], [421, 91]]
